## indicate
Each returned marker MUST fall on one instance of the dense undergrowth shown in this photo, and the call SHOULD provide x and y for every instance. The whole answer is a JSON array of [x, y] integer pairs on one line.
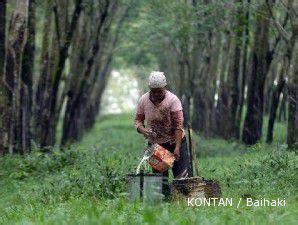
[[85, 182]]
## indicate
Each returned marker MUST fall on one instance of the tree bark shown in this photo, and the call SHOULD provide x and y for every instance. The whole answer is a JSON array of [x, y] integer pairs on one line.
[[291, 42], [15, 46], [27, 79], [72, 126], [48, 132], [282, 114], [222, 106], [292, 138], [244, 72], [80, 106], [42, 93], [252, 129], [233, 77], [275, 100], [4, 91]]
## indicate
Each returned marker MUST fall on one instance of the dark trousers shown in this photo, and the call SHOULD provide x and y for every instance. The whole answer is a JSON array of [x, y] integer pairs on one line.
[[182, 166]]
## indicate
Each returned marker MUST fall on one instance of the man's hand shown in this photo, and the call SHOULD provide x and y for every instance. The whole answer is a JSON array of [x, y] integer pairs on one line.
[[148, 133], [177, 153]]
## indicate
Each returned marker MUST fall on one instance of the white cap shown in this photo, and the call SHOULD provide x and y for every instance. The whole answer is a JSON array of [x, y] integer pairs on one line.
[[157, 79]]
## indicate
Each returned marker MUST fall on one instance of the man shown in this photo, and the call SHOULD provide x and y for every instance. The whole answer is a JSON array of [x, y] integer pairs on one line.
[[163, 113]]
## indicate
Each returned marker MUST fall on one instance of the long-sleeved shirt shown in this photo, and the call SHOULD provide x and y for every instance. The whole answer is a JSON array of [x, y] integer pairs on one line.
[[163, 119]]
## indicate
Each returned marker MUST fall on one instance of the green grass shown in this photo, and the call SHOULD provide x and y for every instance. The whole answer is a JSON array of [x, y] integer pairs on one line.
[[85, 182]]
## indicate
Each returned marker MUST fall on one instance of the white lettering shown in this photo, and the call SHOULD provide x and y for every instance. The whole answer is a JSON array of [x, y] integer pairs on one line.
[[221, 202], [266, 202], [229, 201], [189, 202], [207, 201], [200, 201], [249, 202]]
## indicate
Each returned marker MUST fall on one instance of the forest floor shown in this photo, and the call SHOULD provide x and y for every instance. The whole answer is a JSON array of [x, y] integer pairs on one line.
[[85, 182]]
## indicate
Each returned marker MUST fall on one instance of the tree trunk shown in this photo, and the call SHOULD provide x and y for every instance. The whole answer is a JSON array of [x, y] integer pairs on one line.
[[282, 114], [252, 129], [214, 70], [244, 72], [42, 93], [292, 138], [27, 77], [206, 99], [233, 77], [15, 46], [80, 105], [72, 126], [198, 107], [48, 131], [275, 100], [222, 107], [4, 92], [185, 97]]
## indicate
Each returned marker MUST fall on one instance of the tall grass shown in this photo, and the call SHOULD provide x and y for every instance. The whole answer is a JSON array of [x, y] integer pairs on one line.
[[85, 182]]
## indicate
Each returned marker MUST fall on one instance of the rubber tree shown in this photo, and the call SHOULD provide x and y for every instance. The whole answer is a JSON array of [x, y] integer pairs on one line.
[[4, 91], [261, 58]]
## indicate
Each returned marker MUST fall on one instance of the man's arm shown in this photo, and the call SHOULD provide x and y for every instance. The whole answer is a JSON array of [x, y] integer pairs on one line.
[[177, 118], [140, 115], [139, 124], [178, 138], [139, 120]]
